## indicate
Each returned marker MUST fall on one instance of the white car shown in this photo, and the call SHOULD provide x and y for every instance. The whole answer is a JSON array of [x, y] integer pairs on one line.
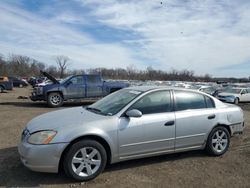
[[235, 95]]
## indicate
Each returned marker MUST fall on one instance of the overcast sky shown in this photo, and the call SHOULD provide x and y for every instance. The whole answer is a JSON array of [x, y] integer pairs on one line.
[[206, 36]]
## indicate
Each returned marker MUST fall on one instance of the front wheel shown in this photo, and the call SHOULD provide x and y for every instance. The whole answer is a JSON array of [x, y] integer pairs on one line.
[[236, 101], [55, 99], [218, 141], [85, 160]]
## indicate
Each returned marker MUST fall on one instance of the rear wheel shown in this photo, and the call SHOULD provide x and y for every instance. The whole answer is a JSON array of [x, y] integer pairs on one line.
[[55, 99], [85, 160], [218, 141], [20, 85]]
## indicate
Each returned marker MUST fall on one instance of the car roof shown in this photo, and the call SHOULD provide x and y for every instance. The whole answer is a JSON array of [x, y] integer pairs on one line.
[[150, 88]]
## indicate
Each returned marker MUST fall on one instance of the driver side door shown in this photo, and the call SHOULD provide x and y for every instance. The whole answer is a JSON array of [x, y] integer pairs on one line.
[[153, 132], [75, 88]]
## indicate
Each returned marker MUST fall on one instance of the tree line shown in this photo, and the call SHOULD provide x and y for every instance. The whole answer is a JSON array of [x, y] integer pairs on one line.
[[24, 66]]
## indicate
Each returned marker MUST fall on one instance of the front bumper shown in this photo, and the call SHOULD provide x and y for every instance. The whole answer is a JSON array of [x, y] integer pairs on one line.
[[41, 158], [35, 97]]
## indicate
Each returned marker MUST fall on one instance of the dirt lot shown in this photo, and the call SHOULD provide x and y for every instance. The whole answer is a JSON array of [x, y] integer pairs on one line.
[[190, 169]]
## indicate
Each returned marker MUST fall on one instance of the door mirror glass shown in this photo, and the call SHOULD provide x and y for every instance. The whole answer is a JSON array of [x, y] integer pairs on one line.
[[134, 113]]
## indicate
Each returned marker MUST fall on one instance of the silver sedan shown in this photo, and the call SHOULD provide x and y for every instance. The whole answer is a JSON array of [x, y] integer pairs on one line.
[[130, 123]]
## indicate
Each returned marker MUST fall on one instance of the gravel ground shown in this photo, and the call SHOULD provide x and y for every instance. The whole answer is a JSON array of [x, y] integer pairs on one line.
[[189, 169]]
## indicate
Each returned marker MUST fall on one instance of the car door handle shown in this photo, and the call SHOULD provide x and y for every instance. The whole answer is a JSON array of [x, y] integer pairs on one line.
[[169, 123], [211, 116]]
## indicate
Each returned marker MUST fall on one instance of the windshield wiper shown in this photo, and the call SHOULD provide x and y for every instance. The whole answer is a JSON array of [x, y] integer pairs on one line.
[[96, 110]]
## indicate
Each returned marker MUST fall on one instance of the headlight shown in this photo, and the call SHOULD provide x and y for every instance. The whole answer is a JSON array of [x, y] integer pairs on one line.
[[42, 137]]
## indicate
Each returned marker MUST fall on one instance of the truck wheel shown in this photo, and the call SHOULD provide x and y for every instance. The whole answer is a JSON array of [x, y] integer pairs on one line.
[[1, 89], [55, 99], [85, 160], [20, 85]]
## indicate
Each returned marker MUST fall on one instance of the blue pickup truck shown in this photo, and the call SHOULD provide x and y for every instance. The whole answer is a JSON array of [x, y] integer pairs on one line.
[[74, 87]]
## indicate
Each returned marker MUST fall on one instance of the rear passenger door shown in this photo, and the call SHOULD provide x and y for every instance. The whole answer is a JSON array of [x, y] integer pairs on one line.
[[195, 116], [94, 86]]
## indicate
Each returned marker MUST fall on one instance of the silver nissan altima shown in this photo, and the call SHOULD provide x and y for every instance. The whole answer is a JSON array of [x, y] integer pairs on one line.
[[131, 123]]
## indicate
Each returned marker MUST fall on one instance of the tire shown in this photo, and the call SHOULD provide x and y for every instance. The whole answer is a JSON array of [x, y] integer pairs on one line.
[[55, 100], [1, 89], [20, 85], [218, 141], [90, 159], [236, 101]]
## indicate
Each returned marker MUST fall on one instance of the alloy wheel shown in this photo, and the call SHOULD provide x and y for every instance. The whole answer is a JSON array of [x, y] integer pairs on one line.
[[86, 161], [219, 141]]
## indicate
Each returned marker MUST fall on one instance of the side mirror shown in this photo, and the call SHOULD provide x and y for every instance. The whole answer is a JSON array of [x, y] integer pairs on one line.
[[134, 113]]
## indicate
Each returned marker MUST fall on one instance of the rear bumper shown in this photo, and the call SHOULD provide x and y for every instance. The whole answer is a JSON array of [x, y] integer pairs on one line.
[[237, 128], [41, 158]]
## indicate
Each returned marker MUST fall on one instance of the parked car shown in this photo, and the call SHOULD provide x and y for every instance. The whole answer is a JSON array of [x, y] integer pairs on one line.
[[5, 84], [17, 82], [130, 123], [209, 90], [235, 95], [74, 87]]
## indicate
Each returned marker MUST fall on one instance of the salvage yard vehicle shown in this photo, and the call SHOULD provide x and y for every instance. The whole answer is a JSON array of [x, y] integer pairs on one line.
[[74, 87], [235, 95], [5, 84], [131, 123], [17, 82]]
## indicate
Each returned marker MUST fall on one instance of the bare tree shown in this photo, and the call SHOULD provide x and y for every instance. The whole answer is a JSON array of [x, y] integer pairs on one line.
[[62, 62]]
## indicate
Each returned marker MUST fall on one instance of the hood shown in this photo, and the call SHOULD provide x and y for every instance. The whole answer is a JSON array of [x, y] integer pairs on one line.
[[63, 118], [49, 77]]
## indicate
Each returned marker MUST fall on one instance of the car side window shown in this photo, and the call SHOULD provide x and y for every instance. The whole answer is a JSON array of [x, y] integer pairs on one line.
[[92, 79], [155, 102], [77, 80], [244, 91], [189, 100], [209, 102]]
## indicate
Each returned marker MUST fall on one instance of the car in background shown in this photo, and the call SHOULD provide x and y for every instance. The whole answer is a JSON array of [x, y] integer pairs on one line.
[[131, 123], [209, 90], [235, 95], [17, 82], [5, 84]]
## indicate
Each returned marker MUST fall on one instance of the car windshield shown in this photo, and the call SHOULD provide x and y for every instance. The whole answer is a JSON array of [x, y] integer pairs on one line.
[[64, 80], [232, 90], [114, 102]]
